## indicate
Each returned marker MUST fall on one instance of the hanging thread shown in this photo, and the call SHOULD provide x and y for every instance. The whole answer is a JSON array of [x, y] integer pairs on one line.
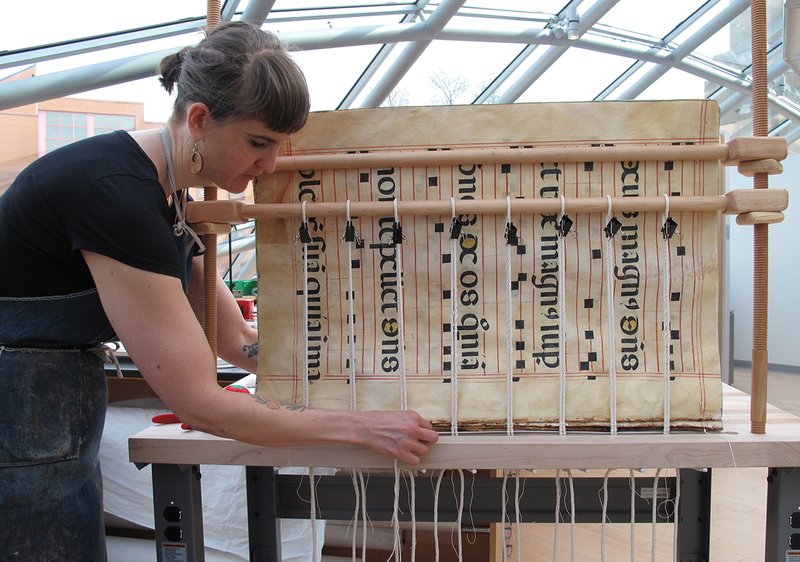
[[351, 319], [610, 258], [454, 350], [511, 240], [572, 515], [363, 486], [562, 312], [460, 512], [396, 550], [305, 238], [413, 484], [518, 516], [654, 516], [397, 235], [667, 230], [632, 485], [503, 502], [357, 494], [676, 513], [603, 517], [436, 516], [313, 501], [557, 515]]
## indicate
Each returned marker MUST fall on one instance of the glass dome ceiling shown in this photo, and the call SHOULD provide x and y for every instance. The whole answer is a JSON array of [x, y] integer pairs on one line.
[[367, 54]]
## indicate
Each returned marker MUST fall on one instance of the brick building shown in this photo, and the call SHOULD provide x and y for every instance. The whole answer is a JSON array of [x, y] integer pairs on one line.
[[29, 131]]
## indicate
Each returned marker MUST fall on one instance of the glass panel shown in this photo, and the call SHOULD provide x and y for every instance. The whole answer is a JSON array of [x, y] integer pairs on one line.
[[127, 122], [65, 119], [51, 118], [80, 120], [578, 75], [100, 121], [649, 18], [51, 132], [454, 72], [330, 73], [64, 21]]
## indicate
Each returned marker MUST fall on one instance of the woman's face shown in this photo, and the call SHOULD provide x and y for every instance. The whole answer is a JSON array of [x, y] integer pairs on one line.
[[237, 151]]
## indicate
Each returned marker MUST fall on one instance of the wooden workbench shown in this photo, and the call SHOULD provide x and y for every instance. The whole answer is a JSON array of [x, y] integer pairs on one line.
[[176, 455]]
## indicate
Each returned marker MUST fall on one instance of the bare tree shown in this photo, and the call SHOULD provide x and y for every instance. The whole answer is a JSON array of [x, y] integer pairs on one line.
[[397, 98], [448, 87]]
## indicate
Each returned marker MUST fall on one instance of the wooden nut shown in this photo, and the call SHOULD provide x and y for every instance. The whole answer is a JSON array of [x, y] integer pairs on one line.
[[211, 228], [755, 200], [743, 149], [769, 166], [222, 211], [759, 218]]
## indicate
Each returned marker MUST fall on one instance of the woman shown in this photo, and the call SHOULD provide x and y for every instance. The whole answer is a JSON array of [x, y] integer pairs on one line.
[[95, 249]]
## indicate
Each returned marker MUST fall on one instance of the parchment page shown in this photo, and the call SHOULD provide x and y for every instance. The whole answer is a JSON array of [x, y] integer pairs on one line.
[[480, 263]]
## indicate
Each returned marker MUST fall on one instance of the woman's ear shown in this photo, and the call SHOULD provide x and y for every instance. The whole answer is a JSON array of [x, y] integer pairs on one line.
[[198, 118]]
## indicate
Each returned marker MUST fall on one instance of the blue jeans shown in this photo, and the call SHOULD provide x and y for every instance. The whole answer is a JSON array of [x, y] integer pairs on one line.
[[52, 410]]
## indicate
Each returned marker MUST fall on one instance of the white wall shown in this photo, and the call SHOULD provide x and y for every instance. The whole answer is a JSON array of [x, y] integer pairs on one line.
[[784, 266]]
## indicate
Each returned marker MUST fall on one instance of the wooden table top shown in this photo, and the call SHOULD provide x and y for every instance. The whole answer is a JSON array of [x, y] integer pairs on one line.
[[734, 446]]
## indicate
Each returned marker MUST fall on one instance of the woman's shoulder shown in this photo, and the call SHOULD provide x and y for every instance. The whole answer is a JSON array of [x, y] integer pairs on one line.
[[114, 153]]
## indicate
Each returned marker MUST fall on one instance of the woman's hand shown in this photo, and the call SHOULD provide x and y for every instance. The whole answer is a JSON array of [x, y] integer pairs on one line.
[[404, 435]]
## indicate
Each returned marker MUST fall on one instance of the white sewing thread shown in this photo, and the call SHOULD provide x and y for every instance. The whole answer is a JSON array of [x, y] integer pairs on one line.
[[509, 334], [413, 489], [363, 515], [305, 312], [604, 517], [518, 514], [632, 484], [402, 360], [350, 315], [396, 550], [557, 515], [654, 515], [665, 282], [460, 512], [572, 515], [612, 324], [313, 497], [562, 335], [313, 500], [400, 313], [352, 356], [357, 493], [454, 351], [503, 502], [675, 514], [436, 516]]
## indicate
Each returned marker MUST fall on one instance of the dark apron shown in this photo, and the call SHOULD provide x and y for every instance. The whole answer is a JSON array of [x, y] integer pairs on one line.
[[52, 410]]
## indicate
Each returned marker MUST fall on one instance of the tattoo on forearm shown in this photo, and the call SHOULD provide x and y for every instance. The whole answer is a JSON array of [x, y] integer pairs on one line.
[[276, 405], [251, 350]]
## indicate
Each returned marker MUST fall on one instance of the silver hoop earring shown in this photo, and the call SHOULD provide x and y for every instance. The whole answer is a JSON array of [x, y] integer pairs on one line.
[[196, 165]]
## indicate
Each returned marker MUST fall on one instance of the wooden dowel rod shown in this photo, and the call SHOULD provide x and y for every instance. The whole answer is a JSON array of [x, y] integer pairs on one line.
[[736, 202], [617, 153], [483, 207]]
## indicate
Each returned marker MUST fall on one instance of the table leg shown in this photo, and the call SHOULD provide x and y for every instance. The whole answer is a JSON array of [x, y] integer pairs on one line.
[[694, 516], [178, 511], [262, 521], [783, 515]]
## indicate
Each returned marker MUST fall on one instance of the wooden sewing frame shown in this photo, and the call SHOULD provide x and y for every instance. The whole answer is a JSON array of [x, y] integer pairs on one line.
[[745, 441]]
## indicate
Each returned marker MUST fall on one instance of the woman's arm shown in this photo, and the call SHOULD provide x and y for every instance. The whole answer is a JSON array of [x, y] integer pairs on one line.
[[237, 341], [155, 322]]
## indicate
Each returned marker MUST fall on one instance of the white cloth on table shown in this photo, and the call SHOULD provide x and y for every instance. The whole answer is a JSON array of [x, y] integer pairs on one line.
[[128, 491]]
